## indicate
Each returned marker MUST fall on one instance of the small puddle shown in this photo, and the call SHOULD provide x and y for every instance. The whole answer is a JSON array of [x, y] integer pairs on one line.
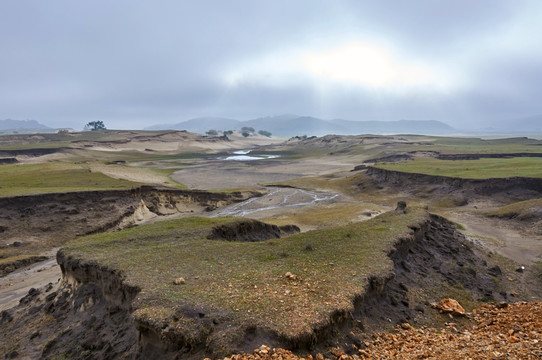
[[276, 199], [243, 155]]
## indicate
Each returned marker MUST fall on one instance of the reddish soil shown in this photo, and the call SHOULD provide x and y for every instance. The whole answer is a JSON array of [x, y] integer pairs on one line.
[[507, 331]]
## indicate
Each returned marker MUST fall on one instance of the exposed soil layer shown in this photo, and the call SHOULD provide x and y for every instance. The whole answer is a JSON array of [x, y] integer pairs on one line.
[[12, 266], [32, 152], [494, 333], [518, 188], [437, 155], [9, 160], [485, 156], [250, 230], [39, 222], [391, 158], [89, 316]]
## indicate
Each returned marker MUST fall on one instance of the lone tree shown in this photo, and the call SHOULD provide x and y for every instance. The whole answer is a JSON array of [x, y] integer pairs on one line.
[[95, 125], [265, 133]]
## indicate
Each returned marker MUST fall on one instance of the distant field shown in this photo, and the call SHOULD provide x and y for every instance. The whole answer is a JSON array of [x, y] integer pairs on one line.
[[471, 169], [247, 280], [55, 177]]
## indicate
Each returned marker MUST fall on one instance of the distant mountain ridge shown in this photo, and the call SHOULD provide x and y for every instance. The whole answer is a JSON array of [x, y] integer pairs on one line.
[[200, 125], [292, 125], [21, 124]]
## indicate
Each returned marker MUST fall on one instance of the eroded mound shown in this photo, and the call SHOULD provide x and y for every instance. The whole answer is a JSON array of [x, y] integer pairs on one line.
[[249, 230]]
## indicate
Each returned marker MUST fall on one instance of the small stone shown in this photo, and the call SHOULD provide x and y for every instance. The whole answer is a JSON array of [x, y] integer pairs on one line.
[[494, 271], [179, 281], [401, 206], [291, 276]]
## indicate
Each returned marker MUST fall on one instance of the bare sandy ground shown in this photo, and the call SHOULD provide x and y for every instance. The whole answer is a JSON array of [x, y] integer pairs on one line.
[[500, 237], [229, 174], [17, 284], [181, 142], [129, 173]]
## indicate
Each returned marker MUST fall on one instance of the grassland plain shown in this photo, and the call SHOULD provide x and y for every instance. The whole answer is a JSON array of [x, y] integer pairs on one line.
[[374, 146], [24, 179], [247, 280], [473, 169]]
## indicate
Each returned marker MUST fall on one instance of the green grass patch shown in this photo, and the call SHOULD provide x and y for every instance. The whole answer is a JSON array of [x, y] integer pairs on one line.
[[55, 177], [246, 280], [471, 169], [523, 210], [325, 216]]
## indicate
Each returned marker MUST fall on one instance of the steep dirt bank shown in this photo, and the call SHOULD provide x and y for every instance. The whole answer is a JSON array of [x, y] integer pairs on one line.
[[32, 152], [519, 188], [485, 156], [437, 155], [90, 315], [35, 223]]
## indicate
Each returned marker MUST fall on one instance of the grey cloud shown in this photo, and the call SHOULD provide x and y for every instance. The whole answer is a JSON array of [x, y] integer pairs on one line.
[[64, 62]]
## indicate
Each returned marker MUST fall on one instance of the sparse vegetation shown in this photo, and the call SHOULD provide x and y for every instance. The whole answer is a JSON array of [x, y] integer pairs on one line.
[[247, 279], [475, 169]]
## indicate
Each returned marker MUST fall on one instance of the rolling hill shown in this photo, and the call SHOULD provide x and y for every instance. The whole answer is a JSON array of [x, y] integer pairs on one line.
[[294, 125]]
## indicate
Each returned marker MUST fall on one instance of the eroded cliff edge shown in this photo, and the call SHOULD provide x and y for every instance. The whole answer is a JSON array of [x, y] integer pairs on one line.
[[91, 315]]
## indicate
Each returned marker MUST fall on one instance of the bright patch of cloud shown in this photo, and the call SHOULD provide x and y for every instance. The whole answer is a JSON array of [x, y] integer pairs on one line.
[[362, 64], [358, 64]]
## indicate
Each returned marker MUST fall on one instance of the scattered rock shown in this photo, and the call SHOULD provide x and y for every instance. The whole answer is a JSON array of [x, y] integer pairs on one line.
[[520, 269], [179, 281], [512, 332], [291, 276], [450, 306], [494, 271]]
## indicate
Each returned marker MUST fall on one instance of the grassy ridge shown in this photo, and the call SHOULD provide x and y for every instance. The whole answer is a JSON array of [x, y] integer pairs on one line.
[[523, 210], [472, 169], [247, 279], [55, 177]]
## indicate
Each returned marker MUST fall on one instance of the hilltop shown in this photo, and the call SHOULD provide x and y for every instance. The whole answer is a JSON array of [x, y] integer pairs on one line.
[[292, 125]]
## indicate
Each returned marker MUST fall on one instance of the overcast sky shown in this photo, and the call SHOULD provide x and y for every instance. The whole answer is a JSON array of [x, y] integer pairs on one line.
[[471, 64]]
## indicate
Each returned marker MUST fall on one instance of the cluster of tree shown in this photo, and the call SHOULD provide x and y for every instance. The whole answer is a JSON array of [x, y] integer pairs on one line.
[[246, 131]]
